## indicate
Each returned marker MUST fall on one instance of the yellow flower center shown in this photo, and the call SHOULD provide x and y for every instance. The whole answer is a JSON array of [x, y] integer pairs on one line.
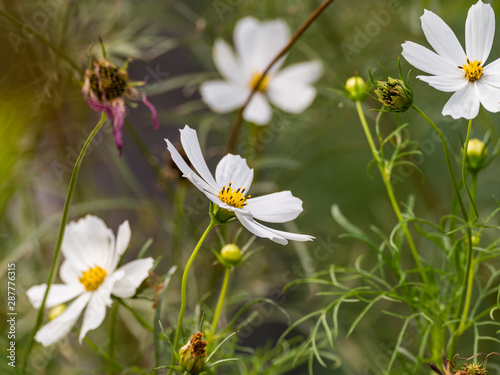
[[93, 278], [235, 198], [255, 79], [473, 70]]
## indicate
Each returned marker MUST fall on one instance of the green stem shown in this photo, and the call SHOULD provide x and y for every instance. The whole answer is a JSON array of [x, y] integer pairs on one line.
[[185, 279], [111, 345], [464, 171], [48, 43], [387, 182], [447, 157], [136, 315], [469, 275], [62, 229], [220, 303], [462, 209]]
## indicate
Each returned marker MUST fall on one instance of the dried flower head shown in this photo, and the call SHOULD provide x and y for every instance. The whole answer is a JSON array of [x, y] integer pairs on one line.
[[105, 88], [193, 354]]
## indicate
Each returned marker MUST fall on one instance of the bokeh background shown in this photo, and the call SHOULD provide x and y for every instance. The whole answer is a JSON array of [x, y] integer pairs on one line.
[[320, 155]]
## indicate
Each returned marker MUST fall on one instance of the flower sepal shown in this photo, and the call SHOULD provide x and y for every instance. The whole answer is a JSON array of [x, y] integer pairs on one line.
[[221, 215]]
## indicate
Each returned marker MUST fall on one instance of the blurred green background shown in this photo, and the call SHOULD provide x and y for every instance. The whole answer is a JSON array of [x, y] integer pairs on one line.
[[320, 155]]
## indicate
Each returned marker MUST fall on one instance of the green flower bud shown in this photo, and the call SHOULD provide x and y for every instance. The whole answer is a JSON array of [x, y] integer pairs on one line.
[[476, 155], [395, 94], [56, 311], [193, 355], [356, 89], [231, 253]]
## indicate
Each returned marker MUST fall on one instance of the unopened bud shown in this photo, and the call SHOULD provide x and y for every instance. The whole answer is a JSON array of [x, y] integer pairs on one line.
[[56, 311], [356, 89], [231, 253], [476, 155], [395, 94]]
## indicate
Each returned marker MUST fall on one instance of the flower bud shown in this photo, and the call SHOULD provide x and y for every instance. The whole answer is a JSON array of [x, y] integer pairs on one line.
[[193, 355], [395, 94], [356, 89], [476, 155], [56, 311], [231, 253]]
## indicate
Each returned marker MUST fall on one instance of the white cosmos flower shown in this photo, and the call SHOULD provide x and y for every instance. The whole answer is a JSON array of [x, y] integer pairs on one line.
[[454, 70], [89, 274], [257, 44], [228, 190]]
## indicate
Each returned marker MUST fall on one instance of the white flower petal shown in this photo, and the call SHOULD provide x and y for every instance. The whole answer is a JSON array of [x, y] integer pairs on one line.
[[291, 97], [123, 238], [270, 39], [234, 169], [479, 31], [226, 62], [191, 146], [122, 242], [488, 95], [306, 72], [224, 97], [253, 227], [258, 110], [69, 273], [88, 243], [188, 172], [244, 37], [275, 208], [424, 59], [58, 293], [258, 43], [491, 73], [445, 83], [134, 274], [272, 234], [58, 328], [442, 38], [462, 104], [96, 309]]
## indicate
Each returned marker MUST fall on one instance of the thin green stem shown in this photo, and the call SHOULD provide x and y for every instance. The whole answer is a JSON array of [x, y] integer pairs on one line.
[[185, 279], [57, 251], [462, 209], [136, 315], [469, 276], [448, 159], [386, 177], [111, 344], [464, 171], [48, 43], [220, 303]]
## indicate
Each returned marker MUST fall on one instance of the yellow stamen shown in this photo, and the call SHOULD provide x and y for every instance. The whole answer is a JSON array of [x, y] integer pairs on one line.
[[235, 198], [473, 70], [93, 278], [255, 80]]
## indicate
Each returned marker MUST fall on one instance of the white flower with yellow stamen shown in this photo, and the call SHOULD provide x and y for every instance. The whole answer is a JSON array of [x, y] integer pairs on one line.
[[257, 44], [456, 70], [228, 190], [89, 274]]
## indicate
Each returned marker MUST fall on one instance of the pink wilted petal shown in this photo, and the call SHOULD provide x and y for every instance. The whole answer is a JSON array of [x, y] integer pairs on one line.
[[116, 113], [152, 109]]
